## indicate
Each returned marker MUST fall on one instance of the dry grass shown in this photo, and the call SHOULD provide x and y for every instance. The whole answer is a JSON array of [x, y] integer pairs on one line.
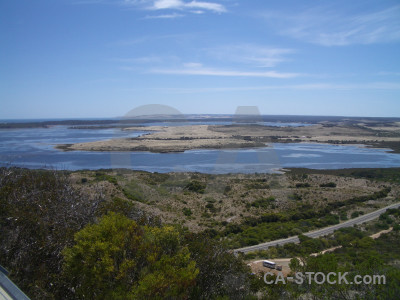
[[223, 199]]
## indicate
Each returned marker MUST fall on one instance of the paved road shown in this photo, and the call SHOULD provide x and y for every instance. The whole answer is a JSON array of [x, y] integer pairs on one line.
[[319, 232]]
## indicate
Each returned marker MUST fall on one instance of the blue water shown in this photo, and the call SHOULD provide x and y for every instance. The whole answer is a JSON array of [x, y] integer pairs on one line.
[[34, 148], [184, 122]]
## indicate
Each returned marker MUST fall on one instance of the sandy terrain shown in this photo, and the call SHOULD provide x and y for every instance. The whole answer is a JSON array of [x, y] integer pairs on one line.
[[182, 138], [378, 234]]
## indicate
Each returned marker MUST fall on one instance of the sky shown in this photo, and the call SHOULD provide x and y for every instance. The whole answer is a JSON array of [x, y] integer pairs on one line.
[[103, 58]]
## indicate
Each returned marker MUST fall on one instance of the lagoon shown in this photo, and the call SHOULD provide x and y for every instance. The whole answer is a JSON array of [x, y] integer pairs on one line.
[[34, 148]]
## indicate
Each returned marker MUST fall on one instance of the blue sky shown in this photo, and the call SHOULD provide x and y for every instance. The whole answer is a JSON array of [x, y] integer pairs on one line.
[[102, 58]]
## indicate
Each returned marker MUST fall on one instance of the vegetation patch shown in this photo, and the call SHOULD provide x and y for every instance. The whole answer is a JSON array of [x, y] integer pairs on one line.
[[187, 211], [263, 202], [134, 192], [101, 176], [329, 184], [196, 186], [302, 185]]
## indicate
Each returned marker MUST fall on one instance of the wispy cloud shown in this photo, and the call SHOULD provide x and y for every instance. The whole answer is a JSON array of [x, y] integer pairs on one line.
[[254, 55], [153, 38], [384, 73], [355, 86], [195, 7], [307, 86], [335, 28], [228, 61], [166, 16], [215, 7], [198, 69], [139, 60]]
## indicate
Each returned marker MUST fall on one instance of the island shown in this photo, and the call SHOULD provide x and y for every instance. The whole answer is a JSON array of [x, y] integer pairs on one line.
[[164, 139]]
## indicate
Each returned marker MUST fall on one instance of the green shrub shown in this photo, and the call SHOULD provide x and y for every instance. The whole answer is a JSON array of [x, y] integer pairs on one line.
[[211, 207], [263, 202], [329, 184], [210, 200], [100, 176], [343, 216], [187, 212], [134, 192], [302, 185], [123, 260], [196, 186], [295, 197]]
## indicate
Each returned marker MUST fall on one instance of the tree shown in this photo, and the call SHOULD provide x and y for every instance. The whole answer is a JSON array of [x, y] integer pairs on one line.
[[40, 211], [221, 273], [119, 259]]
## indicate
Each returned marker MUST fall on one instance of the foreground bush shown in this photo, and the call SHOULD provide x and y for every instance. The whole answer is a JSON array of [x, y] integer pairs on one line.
[[119, 259]]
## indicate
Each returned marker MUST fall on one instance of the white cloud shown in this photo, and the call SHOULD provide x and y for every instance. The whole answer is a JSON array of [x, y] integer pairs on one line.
[[334, 28], [182, 5], [206, 6], [232, 61], [198, 69], [168, 4], [195, 7]]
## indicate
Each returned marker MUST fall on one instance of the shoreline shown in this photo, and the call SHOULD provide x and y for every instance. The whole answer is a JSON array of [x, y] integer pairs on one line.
[[277, 171], [69, 147]]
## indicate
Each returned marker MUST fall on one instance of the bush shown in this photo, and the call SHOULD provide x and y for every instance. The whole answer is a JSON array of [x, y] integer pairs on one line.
[[302, 185], [343, 216], [126, 261], [196, 186], [100, 176], [187, 212], [263, 202], [210, 200], [134, 192], [329, 184], [211, 207], [295, 197]]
